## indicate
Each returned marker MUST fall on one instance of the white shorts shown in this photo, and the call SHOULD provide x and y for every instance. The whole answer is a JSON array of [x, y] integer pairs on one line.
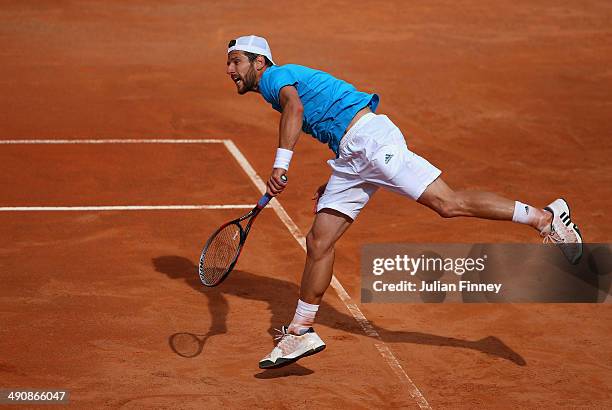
[[374, 154]]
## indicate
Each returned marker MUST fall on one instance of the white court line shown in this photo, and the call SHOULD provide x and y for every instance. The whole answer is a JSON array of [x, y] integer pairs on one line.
[[121, 208], [115, 208], [112, 141], [365, 324]]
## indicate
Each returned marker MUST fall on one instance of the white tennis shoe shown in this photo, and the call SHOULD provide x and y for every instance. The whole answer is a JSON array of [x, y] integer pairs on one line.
[[291, 348], [563, 232]]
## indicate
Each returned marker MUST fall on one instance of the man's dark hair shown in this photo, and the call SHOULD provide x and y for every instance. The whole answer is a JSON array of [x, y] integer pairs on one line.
[[251, 56]]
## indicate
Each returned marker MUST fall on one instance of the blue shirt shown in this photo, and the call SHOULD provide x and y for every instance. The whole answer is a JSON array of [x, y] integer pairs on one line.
[[329, 103]]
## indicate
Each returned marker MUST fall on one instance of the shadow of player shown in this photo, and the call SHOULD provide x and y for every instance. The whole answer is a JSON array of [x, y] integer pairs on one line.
[[260, 288]]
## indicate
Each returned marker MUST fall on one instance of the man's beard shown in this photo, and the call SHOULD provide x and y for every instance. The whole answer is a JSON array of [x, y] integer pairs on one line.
[[249, 81]]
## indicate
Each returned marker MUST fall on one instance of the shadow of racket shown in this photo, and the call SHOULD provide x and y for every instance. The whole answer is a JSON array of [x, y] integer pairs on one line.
[[187, 344]]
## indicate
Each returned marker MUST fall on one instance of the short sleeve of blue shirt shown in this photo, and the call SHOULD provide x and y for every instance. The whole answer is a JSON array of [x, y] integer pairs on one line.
[[273, 84]]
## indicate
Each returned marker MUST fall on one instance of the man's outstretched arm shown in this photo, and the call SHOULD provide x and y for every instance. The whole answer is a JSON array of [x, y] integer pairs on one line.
[[288, 133]]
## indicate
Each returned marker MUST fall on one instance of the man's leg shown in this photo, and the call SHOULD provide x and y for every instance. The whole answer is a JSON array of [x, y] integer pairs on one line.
[[327, 228], [479, 204], [553, 222], [299, 339]]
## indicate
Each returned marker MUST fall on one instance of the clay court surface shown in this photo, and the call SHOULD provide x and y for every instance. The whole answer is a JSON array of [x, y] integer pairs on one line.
[[507, 96]]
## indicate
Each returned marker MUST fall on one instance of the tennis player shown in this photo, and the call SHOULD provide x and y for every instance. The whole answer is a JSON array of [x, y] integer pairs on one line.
[[370, 153]]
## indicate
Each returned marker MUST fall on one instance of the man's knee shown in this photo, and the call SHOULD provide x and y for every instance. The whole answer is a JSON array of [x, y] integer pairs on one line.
[[448, 206], [443, 199], [318, 246]]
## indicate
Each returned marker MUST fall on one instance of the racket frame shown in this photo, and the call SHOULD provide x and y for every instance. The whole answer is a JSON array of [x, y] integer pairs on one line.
[[244, 232]]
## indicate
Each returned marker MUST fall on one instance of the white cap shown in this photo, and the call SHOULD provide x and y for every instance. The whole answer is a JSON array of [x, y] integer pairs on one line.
[[252, 44]]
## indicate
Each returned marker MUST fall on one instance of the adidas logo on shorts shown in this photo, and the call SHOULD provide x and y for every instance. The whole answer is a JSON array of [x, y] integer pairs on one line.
[[388, 158]]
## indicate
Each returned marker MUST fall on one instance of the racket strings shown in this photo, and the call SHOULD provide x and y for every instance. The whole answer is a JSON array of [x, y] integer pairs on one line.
[[220, 254]]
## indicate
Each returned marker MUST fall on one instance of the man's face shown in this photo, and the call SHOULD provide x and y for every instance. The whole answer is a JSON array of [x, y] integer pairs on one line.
[[242, 72]]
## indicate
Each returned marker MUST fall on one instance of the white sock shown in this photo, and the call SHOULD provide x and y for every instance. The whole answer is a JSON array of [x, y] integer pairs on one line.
[[304, 317], [524, 214]]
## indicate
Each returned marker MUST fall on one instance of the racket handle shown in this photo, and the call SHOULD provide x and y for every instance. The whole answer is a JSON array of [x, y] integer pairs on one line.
[[263, 201]]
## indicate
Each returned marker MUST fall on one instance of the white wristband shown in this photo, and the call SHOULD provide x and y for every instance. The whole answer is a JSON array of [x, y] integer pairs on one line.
[[283, 158]]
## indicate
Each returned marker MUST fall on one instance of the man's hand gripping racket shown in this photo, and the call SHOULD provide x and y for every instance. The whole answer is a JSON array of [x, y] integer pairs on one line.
[[223, 248]]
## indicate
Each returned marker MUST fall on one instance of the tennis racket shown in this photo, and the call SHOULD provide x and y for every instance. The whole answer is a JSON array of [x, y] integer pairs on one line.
[[223, 248]]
